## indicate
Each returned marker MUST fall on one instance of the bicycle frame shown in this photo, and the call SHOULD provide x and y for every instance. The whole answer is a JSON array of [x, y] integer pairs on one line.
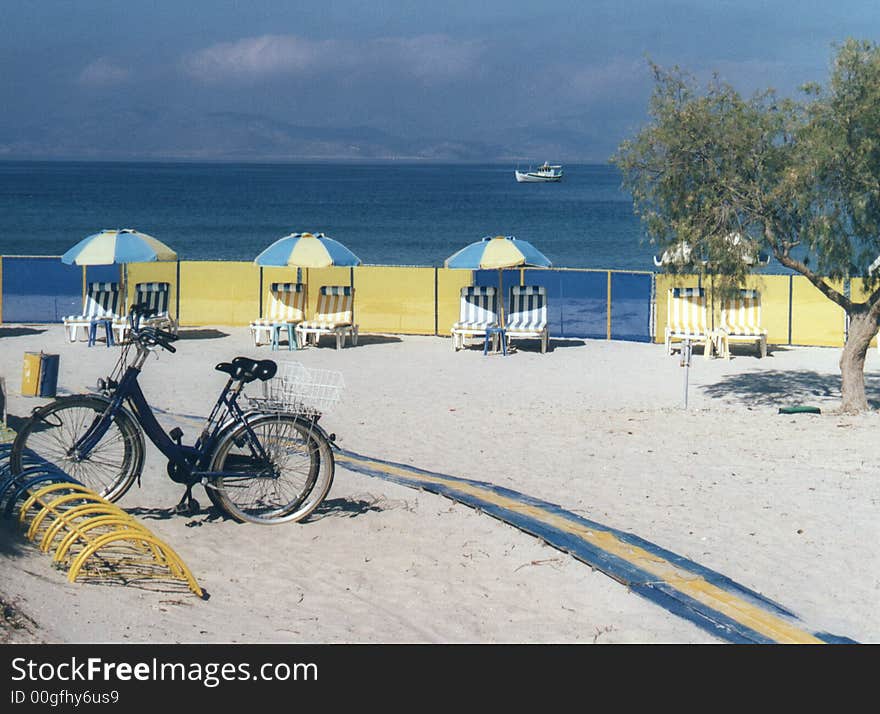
[[190, 461]]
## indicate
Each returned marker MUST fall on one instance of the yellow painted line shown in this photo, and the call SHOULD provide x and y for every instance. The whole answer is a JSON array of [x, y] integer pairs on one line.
[[691, 584]]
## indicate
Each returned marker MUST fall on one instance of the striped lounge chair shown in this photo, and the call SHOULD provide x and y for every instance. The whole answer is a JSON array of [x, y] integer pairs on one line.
[[286, 309], [155, 296], [334, 315], [101, 302], [687, 319], [478, 311], [527, 317], [741, 322]]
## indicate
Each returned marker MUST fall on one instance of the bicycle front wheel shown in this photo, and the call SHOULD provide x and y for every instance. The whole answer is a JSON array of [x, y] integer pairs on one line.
[[285, 486], [51, 433]]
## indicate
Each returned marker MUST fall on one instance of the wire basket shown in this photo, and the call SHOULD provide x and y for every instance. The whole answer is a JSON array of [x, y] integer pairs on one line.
[[300, 390]]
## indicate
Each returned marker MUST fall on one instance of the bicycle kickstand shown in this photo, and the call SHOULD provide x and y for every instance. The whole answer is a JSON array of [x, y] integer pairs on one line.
[[188, 505]]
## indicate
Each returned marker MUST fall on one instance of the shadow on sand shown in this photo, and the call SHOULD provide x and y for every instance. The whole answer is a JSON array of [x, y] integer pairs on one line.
[[363, 341], [345, 508], [781, 388], [201, 334], [11, 540], [20, 331]]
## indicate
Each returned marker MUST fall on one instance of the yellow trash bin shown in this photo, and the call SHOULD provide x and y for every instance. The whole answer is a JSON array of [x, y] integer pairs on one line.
[[30, 375], [39, 377]]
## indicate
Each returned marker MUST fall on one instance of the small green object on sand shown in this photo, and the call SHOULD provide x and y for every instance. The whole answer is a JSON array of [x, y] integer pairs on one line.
[[799, 410]]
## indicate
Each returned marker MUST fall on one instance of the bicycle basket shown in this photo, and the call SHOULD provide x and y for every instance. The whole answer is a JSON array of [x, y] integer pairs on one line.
[[300, 389]]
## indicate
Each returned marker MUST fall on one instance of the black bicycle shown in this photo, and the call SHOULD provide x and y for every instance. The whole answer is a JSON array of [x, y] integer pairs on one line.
[[269, 463]]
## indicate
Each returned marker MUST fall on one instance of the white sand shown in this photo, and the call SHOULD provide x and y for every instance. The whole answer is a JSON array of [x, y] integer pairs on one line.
[[784, 504]]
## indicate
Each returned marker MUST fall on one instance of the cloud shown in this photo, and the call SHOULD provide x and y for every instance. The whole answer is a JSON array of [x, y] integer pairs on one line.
[[255, 57], [103, 73], [424, 57]]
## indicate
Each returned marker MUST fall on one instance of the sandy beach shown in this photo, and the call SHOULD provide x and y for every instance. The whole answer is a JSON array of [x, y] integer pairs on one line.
[[784, 504]]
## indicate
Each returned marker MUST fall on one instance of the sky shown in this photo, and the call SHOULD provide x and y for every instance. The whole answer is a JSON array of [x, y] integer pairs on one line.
[[473, 80]]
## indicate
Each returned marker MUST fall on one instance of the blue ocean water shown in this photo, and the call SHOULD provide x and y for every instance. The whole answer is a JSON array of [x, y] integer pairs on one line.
[[387, 213]]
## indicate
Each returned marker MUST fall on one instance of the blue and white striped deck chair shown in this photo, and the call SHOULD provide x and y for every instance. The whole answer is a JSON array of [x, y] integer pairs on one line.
[[687, 319], [741, 322], [101, 301], [154, 296], [527, 317], [286, 307], [334, 315], [478, 311]]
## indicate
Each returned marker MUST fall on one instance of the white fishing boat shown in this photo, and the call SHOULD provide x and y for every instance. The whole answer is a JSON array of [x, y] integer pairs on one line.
[[545, 172]]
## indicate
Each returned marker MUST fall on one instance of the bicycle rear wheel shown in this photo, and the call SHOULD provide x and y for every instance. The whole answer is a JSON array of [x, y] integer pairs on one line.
[[284, 487], [50, 435]]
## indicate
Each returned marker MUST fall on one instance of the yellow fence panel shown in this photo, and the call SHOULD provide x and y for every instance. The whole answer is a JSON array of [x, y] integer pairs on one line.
[[815, 320], [449, 284], [774, 291], [663, 283], [219, 293], [395, 299], [153, 273]]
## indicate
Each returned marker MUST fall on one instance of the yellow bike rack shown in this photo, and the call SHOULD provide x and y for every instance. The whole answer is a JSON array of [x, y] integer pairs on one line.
[[67, 519], [52, 507], [79, 510], [37, 495], [122, 522], [175, 565]]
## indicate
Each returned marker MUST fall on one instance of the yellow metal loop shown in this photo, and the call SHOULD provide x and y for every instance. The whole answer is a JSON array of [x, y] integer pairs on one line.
[[37, 495], [53, 505], [175, 564], [67, 519], [123, 521]]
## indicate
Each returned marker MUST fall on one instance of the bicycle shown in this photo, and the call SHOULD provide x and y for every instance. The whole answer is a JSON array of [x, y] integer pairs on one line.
[[267, 464]]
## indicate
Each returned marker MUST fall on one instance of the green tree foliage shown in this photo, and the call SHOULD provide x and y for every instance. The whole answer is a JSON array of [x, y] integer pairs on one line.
[[728, 176]]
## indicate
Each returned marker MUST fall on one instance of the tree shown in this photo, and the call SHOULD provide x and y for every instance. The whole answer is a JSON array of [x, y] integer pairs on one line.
[[799, 178]]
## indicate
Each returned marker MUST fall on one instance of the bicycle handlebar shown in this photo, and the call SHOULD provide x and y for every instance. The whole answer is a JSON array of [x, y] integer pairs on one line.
[[149, 336]]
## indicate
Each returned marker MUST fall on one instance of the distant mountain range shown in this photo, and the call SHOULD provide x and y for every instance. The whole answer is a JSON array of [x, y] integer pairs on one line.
[[146, 134]]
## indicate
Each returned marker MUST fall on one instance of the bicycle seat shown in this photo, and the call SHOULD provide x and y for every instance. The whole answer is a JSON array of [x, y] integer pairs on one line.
[[247, 369]]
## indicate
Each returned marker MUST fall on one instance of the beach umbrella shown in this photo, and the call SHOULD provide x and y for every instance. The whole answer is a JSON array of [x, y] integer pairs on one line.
[[118, 247], [498, 252], [111, 247], [305, 250]]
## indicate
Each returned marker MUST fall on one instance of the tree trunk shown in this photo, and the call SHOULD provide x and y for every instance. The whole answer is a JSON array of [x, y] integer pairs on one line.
[[862, 327]]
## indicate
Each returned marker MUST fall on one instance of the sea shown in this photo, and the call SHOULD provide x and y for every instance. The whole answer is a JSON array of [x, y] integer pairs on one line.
[[387, 213]]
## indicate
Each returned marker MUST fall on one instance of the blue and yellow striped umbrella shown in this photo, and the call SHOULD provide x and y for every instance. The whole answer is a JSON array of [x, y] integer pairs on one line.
[[111, 247], [498, 252], [304, 250]]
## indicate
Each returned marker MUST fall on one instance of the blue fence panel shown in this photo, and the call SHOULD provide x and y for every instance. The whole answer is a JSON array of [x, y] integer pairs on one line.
[[577, 301], [103, 274], [40, 289], [631, 306]]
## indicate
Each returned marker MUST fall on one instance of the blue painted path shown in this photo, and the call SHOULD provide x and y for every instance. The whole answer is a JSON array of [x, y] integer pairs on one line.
[[710, 600]]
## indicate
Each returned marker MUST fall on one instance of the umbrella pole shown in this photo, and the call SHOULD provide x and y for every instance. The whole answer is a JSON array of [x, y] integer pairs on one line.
[[501, 294], [123, 309]]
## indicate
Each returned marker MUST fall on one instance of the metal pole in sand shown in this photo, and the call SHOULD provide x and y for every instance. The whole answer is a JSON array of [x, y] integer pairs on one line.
[[686, 363]]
